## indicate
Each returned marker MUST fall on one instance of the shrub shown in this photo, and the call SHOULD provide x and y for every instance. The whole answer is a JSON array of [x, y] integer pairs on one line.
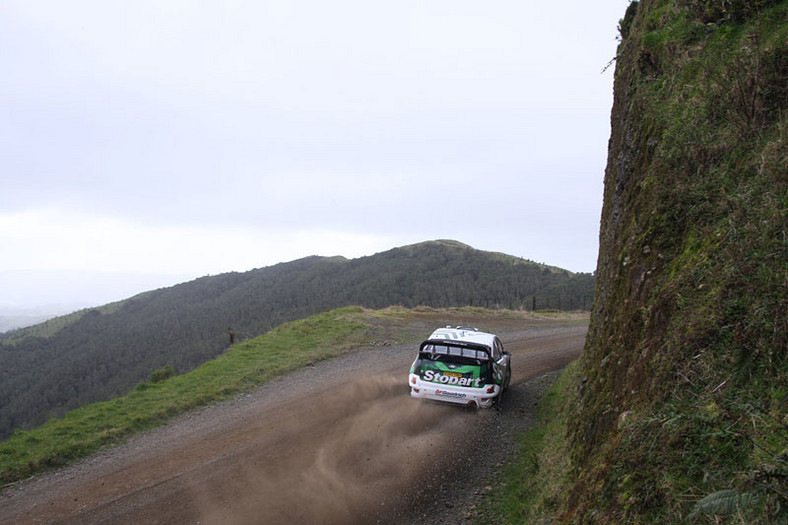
[[162, 374]]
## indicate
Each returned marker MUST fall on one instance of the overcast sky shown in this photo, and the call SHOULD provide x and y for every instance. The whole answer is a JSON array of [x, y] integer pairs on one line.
[[147, 143]]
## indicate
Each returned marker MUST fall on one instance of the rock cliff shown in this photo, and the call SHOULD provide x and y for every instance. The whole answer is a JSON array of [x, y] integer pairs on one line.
[[682, 393]]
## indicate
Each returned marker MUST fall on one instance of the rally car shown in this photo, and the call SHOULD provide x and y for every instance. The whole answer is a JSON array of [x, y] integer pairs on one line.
[[462, 366]]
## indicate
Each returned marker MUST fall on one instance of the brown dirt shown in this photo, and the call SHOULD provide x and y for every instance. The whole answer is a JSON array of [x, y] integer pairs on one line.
[[338, 442]]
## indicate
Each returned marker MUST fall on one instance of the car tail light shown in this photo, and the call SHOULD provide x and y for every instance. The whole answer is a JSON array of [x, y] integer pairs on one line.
[[413, 380], [416, 390], [490, 389]]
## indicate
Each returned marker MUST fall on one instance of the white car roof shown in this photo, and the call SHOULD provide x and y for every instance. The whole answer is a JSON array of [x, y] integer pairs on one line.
[[467, 335]]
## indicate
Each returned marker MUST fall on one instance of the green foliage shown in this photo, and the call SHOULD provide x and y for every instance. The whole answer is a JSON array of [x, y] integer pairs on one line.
[[688, 333], [626, 23], [162, 374], [680, 404], [721, 11], [248, 364], [722, 502], [535, 484], [100, 353]]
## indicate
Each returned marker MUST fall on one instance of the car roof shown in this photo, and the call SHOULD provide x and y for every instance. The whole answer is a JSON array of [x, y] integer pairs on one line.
[[465, 335]]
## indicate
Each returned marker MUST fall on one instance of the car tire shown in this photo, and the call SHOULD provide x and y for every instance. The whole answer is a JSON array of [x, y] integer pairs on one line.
[[497, 400]]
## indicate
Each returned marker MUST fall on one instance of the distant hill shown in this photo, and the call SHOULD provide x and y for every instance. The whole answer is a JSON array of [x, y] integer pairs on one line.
[[100, 353], [11, 322], [14, 318]]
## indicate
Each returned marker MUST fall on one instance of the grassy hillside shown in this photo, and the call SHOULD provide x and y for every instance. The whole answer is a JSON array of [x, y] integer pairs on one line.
[[242, 368], [100, 353], [247, 364], [679, 406]]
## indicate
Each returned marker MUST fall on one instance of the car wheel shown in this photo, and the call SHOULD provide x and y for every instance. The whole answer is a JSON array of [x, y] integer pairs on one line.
[[497, 400]]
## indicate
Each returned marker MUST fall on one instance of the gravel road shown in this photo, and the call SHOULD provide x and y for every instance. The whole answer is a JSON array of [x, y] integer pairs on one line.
[[337, 442]]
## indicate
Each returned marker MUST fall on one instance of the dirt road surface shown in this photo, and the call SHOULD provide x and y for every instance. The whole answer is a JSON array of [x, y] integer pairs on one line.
[[337, 442]]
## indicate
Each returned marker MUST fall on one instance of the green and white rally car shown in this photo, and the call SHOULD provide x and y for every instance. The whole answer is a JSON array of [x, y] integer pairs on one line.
[[462, 366]]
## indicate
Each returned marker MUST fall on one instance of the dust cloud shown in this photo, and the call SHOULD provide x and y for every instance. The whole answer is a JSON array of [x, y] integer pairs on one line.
[[341, 460], [351, 447]]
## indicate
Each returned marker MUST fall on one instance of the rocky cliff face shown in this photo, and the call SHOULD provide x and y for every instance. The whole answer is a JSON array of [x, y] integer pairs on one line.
[[684, 381]]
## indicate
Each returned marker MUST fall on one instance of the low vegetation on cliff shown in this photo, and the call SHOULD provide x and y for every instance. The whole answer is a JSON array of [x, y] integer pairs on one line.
[[678, 409]]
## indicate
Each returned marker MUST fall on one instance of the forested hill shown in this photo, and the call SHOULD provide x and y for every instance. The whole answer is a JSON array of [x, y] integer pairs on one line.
[[99, 353]]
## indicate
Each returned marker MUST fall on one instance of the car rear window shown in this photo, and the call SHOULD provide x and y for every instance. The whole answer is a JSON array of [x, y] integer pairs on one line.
[[455, 351]]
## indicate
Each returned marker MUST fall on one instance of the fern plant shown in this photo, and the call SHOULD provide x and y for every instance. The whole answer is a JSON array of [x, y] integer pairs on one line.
[[722, 502]]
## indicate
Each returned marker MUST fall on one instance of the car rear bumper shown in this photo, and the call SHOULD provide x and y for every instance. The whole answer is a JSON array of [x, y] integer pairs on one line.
[[474, 397]]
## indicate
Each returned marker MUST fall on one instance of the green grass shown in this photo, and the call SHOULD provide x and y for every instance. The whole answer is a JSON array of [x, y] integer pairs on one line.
[[245, 366], [286, 348], [678, 410], [534, 486], [692, 344]]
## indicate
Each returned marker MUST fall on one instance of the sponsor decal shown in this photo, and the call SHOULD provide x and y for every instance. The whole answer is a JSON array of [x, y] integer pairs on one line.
[[446, 393], [449, 378]]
